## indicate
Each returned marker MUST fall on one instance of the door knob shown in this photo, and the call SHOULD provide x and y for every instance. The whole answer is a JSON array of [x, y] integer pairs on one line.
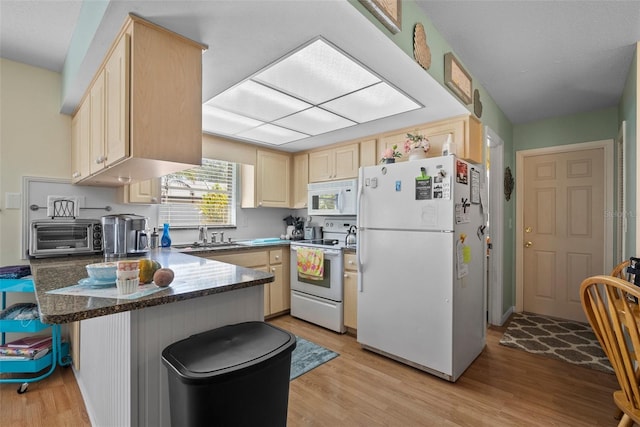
[[528, 244]]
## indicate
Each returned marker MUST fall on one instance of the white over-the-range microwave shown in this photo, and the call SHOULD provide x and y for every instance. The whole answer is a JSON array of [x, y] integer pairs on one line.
[[333, 197]]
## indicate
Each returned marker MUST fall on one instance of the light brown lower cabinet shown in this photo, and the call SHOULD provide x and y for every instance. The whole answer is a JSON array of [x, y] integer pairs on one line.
[[350, 291], [277, 294]]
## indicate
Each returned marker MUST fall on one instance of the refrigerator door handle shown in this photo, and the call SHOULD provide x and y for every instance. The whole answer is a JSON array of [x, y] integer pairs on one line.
[[359, 198], [358, 257], [359, 225]]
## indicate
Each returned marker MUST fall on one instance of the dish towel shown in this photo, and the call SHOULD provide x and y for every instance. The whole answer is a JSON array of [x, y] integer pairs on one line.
[[310, 263]]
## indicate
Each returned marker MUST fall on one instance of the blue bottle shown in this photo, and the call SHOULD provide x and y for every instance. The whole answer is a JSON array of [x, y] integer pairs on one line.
[[165, 241]]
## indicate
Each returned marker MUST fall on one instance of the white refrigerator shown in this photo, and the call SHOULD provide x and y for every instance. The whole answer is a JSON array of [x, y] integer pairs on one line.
[[420, 249]]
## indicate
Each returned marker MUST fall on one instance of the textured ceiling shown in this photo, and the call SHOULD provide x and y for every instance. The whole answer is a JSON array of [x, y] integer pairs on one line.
[[541, 59]]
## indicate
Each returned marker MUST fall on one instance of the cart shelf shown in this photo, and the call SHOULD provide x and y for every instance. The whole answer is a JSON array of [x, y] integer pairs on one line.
[[59, 354]]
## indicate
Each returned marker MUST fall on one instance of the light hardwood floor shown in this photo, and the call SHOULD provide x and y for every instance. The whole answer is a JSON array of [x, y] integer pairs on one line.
[[503, 387]]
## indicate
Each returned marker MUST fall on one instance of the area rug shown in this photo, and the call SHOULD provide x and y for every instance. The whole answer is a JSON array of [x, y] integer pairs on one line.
[[573, 342], [307, 356]]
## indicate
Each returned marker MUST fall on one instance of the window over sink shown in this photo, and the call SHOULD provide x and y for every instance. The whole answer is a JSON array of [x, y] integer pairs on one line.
[[204, 195]]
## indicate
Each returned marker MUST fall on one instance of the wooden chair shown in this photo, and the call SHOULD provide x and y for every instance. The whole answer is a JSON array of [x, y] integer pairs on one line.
[[620, 270], [614, 316]]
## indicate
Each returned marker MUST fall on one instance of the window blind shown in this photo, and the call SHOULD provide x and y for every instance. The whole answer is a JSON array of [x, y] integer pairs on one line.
[[203, 195]]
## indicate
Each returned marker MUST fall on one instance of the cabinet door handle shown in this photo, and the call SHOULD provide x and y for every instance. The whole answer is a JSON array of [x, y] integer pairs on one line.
[[350, 262], [273, 269], [101, 159], [346, 275], [277, 257], [75, 174]]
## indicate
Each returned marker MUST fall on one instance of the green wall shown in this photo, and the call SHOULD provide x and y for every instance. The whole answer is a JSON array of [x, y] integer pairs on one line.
[[628, 111], [571, 129]]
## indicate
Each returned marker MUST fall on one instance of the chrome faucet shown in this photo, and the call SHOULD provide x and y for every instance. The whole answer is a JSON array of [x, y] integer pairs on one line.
[[202, 234]]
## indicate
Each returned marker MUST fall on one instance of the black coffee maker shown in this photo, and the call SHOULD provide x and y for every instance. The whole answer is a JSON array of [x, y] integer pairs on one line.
[[298, 224]]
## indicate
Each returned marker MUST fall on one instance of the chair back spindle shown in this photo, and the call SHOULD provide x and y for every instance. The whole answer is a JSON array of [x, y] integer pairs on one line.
[[610, 306]]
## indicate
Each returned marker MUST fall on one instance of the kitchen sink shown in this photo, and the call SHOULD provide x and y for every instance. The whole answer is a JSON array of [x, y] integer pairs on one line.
[[205, 246]]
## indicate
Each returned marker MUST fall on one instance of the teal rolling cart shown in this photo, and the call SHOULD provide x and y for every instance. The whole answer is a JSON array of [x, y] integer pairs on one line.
[[59, 354]]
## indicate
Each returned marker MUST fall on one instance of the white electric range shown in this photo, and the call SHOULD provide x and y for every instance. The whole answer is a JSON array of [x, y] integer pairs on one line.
[[319, 300]]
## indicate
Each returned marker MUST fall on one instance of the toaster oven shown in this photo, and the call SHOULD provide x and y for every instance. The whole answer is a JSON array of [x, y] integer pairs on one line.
[[64, 236]]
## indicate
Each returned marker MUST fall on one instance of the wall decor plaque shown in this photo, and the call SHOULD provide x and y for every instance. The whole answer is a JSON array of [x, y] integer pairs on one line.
[[457, 78], [421, 50], [389, 12], [477, 104], [508, 183]]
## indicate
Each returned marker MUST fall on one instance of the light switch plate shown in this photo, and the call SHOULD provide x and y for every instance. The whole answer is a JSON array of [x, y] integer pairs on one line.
[[12, 200]]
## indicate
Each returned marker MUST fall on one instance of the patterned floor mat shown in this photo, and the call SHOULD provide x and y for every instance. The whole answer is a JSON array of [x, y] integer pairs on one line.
[[573, 342]]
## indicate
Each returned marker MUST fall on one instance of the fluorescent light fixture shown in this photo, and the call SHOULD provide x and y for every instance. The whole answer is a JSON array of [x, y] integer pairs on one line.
[[221, 121], [374, 102], [317, 73], [272, 134], [314, 121], [257, 101], [314, 90]]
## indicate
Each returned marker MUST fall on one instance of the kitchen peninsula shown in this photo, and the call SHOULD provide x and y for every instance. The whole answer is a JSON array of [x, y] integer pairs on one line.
[[120, 373]]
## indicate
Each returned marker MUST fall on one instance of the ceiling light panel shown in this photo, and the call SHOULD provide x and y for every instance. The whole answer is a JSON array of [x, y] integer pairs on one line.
[[374, 102], [314, 121], [317, 73], [215, 120], [272, 134], [257, 101]]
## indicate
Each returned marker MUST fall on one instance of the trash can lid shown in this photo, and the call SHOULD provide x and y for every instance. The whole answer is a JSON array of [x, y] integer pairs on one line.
[[226, 350]]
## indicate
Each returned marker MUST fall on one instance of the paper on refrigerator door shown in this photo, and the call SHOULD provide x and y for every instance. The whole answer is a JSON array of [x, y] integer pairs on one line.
[[462, 268]]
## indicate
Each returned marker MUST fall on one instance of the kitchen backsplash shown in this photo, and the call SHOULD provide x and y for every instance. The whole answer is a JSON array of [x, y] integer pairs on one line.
[[250, 223]]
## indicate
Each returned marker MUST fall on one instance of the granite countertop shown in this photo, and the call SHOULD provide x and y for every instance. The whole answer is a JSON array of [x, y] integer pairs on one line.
[[226, 247], [194, 277]]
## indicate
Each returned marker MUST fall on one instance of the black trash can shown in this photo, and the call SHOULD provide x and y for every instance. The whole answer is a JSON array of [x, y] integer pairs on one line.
[[236, 375]]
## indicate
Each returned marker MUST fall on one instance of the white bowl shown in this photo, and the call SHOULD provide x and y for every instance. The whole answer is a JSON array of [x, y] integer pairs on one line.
[[127, 286]]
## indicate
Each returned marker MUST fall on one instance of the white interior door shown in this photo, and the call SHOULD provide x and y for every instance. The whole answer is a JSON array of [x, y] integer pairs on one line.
[[563, 229]]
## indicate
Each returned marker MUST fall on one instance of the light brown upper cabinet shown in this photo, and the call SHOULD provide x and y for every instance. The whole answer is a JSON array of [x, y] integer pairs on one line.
[[96, 124], [300, 178], [145, 107], [466, 132], [80, 137], [271, 180], [335, 163], [144, 192], [368, 155]]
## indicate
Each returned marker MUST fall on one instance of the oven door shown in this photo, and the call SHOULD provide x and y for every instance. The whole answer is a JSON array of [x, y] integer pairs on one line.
[[63, 238], [330, 286]]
